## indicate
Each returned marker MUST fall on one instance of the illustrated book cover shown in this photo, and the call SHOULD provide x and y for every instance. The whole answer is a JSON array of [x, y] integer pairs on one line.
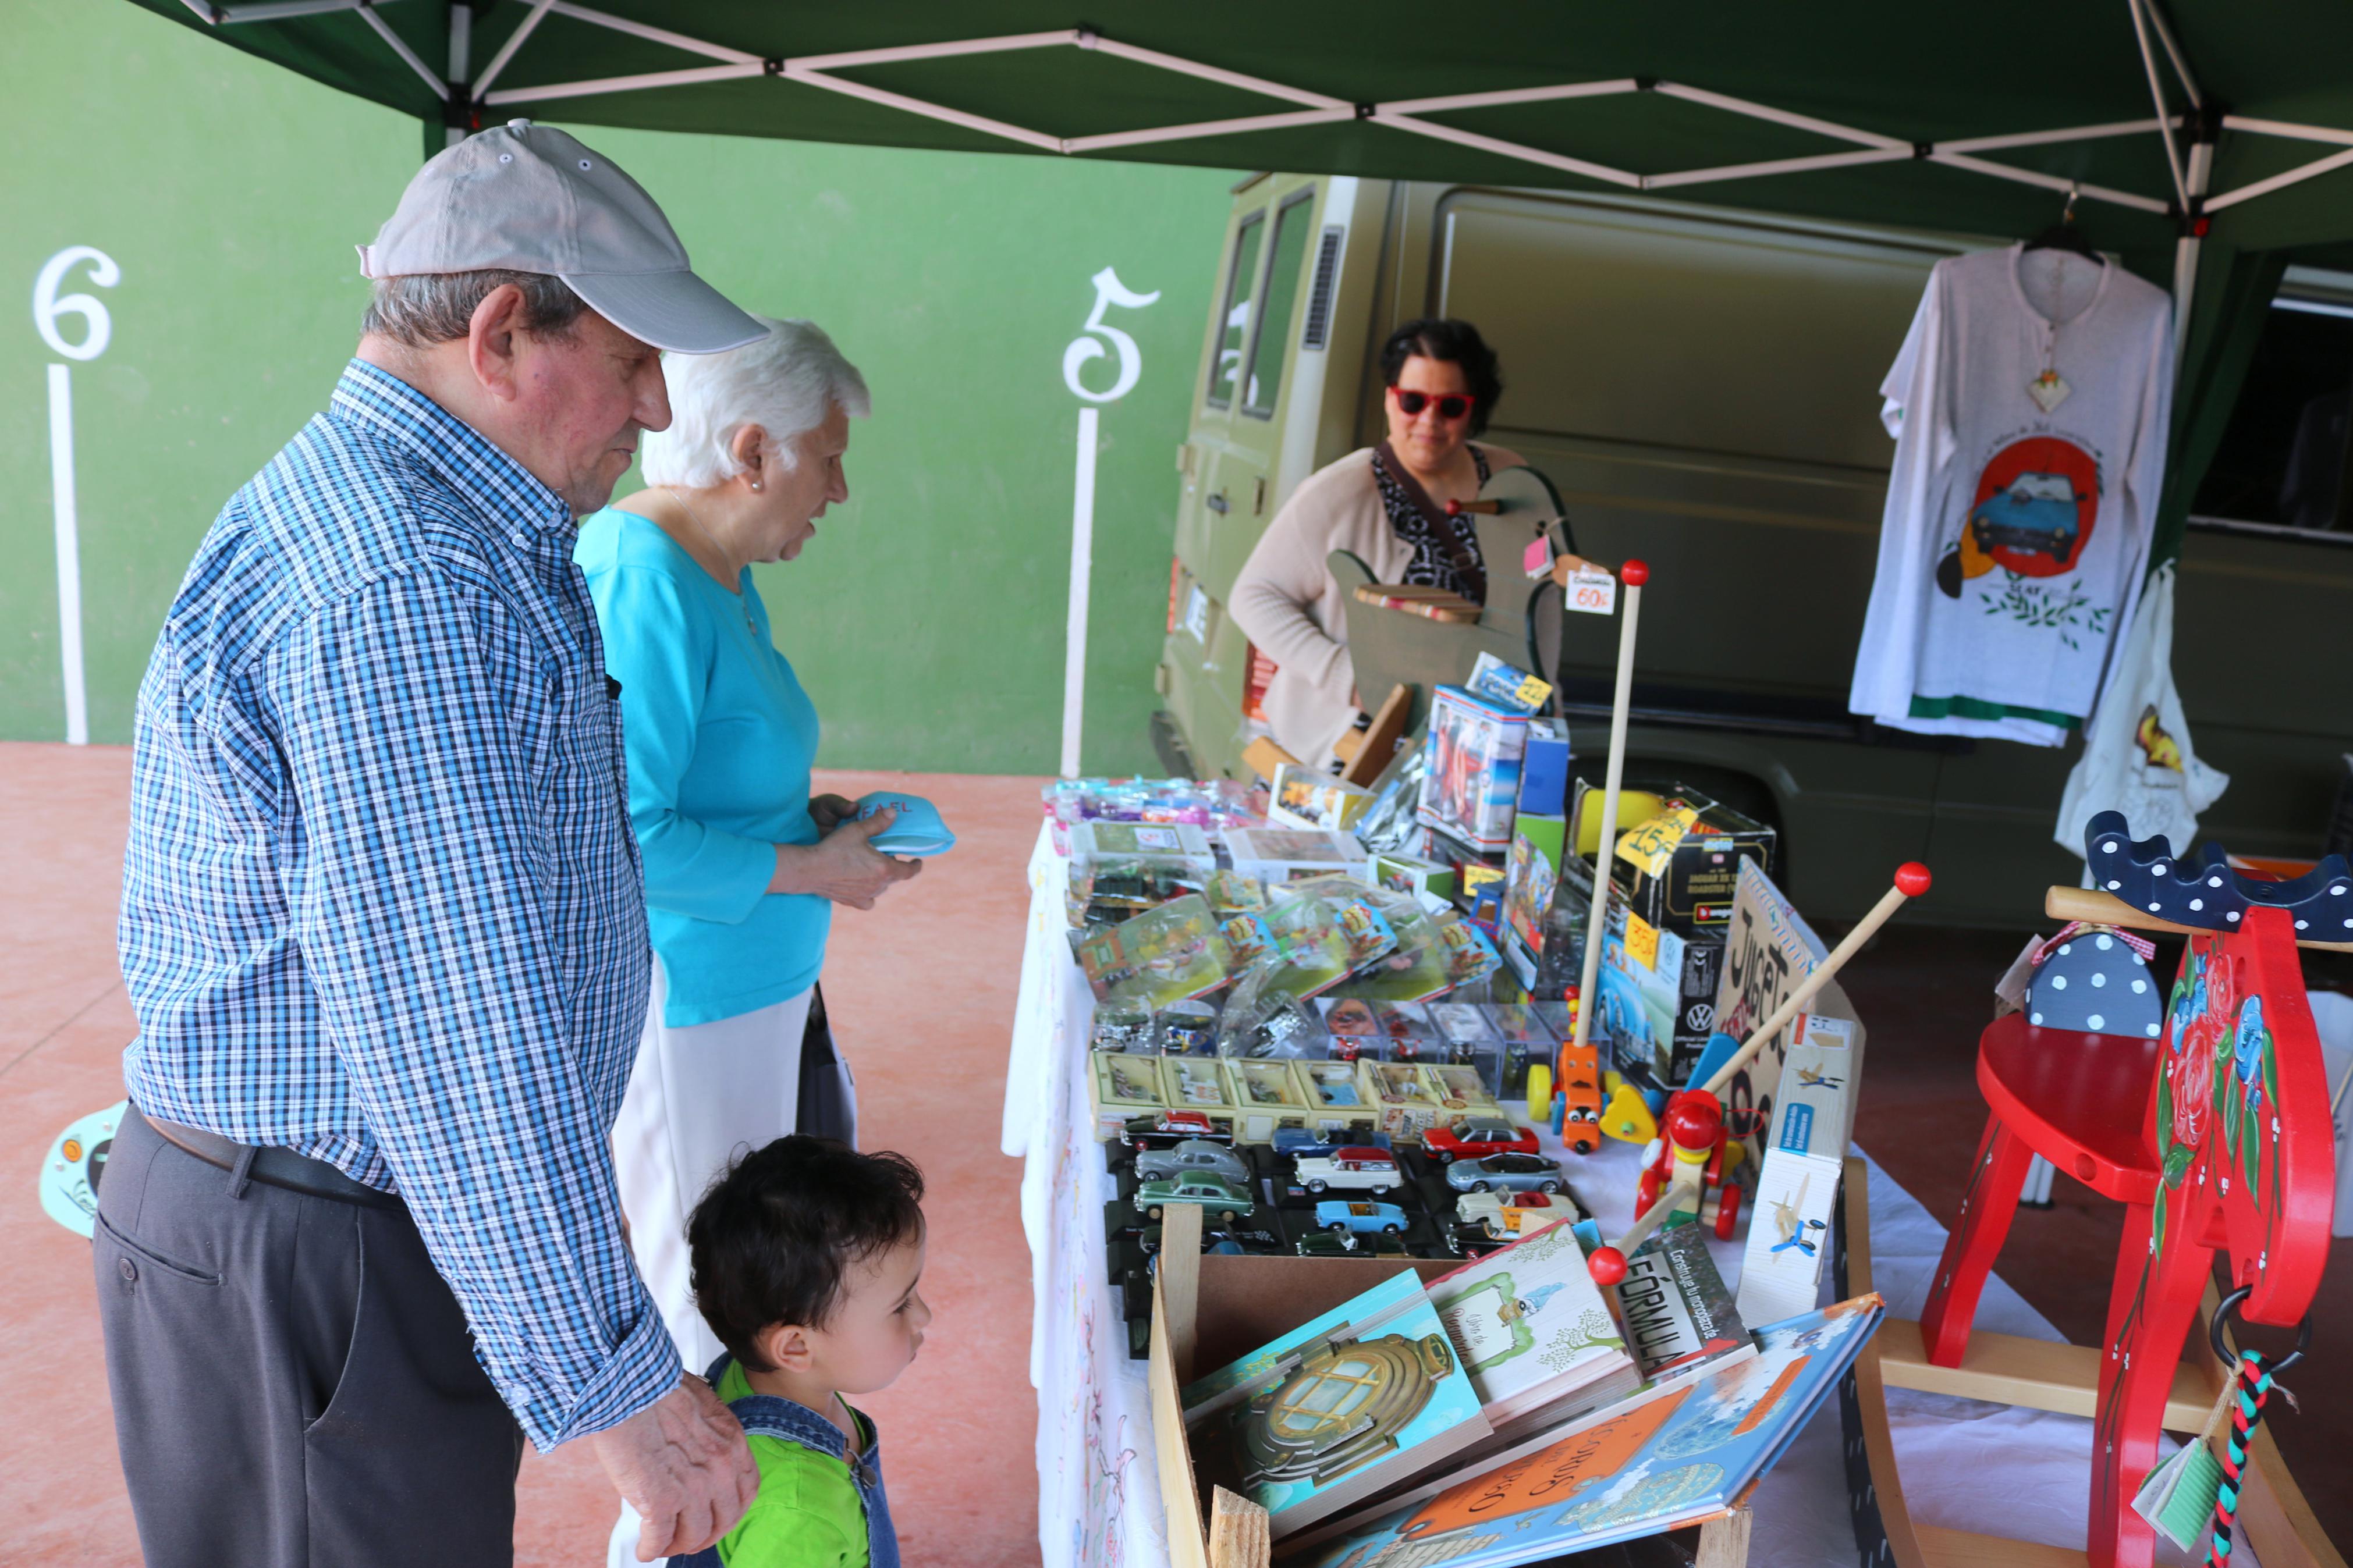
[[1338, 1409], [1676, 1310], [1632, 1471], [1532, 1330]]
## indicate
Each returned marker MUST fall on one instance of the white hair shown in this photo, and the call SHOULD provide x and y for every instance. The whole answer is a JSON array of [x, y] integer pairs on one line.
[[788, 383]]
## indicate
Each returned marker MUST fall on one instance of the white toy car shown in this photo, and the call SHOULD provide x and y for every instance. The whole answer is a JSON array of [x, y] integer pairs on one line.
[[1509, 1214], [1359, 1166]]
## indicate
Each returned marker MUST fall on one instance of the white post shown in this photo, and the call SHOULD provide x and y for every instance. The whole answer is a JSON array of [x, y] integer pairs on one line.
[[1083, 554], [69, 534], [1596, 918]]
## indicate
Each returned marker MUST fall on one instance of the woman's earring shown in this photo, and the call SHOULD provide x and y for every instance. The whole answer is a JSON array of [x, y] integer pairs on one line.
[[755, 484]]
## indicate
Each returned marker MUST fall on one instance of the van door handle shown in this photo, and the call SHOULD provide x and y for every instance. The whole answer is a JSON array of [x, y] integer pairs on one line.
[[1219, 504]]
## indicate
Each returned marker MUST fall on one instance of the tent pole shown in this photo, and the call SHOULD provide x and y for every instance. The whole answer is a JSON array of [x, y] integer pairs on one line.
[[461, 48], [523, 29], [2302, 172], [2185, 249], [2157, 96]]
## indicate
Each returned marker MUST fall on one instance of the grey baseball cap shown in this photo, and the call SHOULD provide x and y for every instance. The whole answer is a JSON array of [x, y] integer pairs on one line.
[[529, 198]]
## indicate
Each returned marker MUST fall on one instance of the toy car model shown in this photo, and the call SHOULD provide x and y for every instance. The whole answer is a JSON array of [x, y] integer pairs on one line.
[[1475, 1137], [1511, 1213], [1193, 1154], [1215, 1194], [1362, 1218], [1294, 1140], [1508, 1172], [1164, 1129], [1228, 1242], [1343, 1244], [1580, 1085], [1357, 1165]]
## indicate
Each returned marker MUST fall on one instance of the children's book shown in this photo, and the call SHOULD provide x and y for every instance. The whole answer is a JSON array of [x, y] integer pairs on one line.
[[1532, 1330], [1338, 1409], [1677, 1311], [1638, 1468]]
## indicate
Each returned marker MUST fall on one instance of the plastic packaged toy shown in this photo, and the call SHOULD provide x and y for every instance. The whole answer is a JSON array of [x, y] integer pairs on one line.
[[1120, 1026], [1187, 1028], [1231, 893], [1161, 956], [1471, 785], [1118, 865], [1470, 956], [1278, 855]]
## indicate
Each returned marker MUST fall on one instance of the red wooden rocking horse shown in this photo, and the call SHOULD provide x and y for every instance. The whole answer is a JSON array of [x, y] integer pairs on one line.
[[2234, 1152]]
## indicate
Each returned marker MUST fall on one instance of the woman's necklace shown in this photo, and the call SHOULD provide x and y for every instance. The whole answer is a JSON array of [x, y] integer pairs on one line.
[[688, 513]]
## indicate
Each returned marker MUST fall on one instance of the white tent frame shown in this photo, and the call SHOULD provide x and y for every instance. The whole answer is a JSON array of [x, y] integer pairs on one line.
[[2191, 175]]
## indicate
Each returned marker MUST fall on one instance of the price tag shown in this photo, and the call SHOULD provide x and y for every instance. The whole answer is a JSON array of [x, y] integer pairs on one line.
[[1642, 941], [1589, 591], [1536, 560]]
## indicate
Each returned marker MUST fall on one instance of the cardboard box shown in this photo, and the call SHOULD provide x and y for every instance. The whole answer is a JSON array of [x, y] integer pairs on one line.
[[1277, 855], [1531, 873], [1678, 867], [1403, 873], [1658, 996], [1303, 797], [1471, 779], [1544, 768], [1803, 1083]]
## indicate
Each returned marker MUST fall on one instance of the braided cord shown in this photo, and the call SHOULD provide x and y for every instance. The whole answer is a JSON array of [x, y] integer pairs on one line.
[[2254, 1386]]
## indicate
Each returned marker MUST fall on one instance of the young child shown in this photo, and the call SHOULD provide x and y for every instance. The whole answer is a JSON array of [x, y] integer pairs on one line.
[[806, 1258]]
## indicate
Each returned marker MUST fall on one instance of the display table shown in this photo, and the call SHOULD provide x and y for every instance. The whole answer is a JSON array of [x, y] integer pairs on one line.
[[1099, 1494]]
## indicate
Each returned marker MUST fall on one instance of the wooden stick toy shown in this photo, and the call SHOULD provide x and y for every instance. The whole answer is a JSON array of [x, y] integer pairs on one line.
[[1634, 573], [1692, 1126]]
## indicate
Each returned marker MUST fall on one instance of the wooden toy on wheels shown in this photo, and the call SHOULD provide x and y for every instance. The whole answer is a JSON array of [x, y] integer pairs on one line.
[[2215, 1135]]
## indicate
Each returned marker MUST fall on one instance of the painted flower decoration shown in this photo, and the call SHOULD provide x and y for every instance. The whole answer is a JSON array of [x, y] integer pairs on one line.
[[2192, 1073], [2249, 1051]]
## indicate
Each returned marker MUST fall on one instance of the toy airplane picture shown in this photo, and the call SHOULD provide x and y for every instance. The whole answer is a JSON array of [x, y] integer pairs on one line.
[[1789, 1218], [1782, 1267]]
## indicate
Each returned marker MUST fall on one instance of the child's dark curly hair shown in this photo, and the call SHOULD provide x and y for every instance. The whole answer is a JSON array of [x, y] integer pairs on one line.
[[770, 1241]]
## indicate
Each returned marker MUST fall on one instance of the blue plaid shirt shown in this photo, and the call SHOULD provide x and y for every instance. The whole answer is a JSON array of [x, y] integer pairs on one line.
[[382, 904]]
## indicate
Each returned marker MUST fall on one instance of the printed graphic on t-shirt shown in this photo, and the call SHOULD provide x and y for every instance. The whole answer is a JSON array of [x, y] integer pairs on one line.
[[2031, 515]]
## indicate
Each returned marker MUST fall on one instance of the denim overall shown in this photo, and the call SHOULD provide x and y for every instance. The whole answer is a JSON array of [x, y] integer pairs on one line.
[[767, 1416]]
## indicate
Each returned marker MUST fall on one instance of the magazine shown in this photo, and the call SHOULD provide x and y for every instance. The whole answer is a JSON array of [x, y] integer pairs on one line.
[[1338, 1409], [1635, 1469]]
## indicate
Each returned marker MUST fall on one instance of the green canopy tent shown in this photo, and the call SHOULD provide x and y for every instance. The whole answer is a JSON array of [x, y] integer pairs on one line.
[[2210, 145]]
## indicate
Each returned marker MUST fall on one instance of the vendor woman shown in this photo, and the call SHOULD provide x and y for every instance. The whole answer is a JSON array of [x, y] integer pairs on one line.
[[1385, 504]]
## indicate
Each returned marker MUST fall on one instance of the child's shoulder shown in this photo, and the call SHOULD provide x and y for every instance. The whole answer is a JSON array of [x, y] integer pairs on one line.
[[807, 1512]]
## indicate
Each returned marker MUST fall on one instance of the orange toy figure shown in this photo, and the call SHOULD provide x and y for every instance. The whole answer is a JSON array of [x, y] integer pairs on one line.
[[1580, 1085]]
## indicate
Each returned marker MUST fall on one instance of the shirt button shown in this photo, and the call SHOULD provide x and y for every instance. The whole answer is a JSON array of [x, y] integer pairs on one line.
[[128, 1270]]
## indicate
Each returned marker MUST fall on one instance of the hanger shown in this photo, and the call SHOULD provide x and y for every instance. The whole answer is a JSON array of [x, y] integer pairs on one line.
[[2064, 236]]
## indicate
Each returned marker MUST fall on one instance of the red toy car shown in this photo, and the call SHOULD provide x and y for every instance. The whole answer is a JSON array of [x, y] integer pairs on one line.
[[1475, 1137]]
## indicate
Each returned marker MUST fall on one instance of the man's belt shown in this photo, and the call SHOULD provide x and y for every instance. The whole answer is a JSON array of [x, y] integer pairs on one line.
[[272, 1165]]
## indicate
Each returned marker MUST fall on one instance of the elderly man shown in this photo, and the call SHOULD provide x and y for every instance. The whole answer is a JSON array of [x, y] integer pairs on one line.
[[384, 927]]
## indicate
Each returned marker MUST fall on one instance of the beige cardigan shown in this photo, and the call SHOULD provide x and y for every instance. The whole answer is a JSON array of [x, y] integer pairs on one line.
[[1286, 602]]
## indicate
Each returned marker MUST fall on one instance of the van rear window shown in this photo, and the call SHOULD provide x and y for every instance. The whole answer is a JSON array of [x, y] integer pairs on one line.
[[1265, 384], [1241, 287]]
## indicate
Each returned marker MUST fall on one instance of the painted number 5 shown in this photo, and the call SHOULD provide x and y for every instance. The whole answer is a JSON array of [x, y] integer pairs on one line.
[[97, 326], [1094, 335]]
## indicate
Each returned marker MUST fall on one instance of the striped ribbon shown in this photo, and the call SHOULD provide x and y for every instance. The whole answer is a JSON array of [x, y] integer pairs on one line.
[[2254, 1381], [2139, 944]]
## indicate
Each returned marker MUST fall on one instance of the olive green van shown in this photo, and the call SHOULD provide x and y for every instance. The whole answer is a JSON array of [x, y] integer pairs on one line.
[[1700, 388]]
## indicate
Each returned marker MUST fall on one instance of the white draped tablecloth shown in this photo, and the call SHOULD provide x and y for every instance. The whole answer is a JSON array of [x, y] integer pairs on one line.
[[1967, 1465]]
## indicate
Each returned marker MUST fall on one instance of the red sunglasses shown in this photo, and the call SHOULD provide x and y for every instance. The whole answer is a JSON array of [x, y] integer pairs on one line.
[[1450, 404]]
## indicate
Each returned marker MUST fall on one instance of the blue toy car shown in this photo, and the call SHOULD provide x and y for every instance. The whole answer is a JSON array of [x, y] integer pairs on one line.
[[1360, 1218], [1303, 1141], [2038, 511]]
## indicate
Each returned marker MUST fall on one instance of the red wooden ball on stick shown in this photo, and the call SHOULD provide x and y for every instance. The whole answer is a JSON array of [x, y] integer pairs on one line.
[[1634, 573], [1454, 508], [1607, 1266], [1911, 879]]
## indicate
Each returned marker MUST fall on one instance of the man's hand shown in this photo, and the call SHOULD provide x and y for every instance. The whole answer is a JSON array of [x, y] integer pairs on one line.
[[681, 1462]]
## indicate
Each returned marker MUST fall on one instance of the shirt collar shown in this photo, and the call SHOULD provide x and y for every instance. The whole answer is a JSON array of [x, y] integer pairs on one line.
[[494, 483]]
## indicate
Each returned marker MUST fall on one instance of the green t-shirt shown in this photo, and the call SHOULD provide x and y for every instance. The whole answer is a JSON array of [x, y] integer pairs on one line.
[[808, 1513]]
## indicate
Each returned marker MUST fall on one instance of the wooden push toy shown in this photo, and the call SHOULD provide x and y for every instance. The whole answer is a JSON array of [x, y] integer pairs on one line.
[[1692, 1159]]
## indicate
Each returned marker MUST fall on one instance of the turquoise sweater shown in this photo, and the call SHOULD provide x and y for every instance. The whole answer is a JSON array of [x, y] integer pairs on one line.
[[720, 738]]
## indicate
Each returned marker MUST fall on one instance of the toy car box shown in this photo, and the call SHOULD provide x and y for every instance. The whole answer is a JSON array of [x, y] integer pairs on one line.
[[1678, 868], [1657, 994], [1277, 855], [1531, 874], [1470, 772], [1303, 797]]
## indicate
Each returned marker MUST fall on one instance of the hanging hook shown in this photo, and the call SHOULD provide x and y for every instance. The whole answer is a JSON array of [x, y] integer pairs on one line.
[[2069, 215]]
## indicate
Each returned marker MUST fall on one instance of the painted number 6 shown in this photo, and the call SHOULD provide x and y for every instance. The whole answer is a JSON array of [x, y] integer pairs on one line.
[[46, 306], [1109, 292]]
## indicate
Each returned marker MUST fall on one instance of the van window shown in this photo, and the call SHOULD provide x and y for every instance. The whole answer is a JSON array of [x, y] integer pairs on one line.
[[2281, 462], [1242, 282], [1283, 270]]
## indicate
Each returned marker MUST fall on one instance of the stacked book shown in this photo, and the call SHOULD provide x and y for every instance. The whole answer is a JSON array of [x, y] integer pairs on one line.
[[1432, 604], [1511, 1411]]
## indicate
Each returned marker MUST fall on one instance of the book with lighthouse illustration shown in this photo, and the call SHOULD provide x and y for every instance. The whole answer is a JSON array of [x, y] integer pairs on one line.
[[1628, 1471]]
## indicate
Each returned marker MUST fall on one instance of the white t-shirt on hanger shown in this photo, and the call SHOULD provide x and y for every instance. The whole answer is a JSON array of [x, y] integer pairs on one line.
[[2030, 405]]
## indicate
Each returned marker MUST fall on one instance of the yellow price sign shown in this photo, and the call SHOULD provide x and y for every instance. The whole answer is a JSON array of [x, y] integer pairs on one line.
[[1642, 941]]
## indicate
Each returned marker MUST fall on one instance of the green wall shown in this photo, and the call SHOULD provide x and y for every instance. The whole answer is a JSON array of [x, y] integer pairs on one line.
[[926, 619]]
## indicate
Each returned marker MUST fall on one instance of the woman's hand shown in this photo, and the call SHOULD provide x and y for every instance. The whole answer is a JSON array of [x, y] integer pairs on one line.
[[843, 866], [829, 811]]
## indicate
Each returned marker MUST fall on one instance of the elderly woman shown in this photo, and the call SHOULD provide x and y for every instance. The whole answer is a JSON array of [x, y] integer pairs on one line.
[[741, 866], [1387, 505]]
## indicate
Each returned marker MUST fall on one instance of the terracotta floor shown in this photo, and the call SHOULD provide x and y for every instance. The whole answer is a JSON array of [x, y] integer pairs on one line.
[[921, 992]]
